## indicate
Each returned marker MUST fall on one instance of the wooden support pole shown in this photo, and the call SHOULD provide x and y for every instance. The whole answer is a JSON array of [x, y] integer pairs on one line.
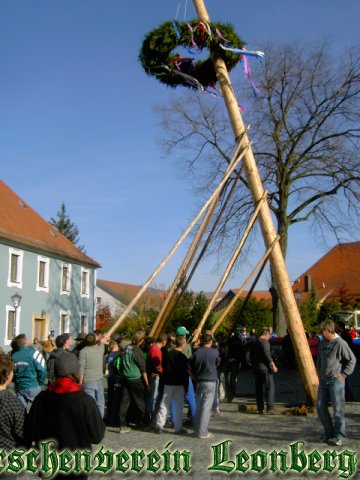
[[182, 275], [283, 284], [244, 285], [175, 302], [212, 231], [237, 157], [229, 268], [182, 272]]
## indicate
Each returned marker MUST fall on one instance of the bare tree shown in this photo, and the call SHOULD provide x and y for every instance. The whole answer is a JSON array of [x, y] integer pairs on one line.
[[305, 127]]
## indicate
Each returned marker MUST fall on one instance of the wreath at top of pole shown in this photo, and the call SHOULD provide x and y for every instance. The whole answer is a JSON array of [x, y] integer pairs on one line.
[[159, 58]]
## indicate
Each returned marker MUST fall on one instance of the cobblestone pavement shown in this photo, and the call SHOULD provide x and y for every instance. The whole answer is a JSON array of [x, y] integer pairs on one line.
[[243, 431]]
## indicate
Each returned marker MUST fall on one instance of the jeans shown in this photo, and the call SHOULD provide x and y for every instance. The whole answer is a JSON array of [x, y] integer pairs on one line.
[[173, 394], [332, 390], [264, 378], [96, 390], [152, 399], [27, 395], [205, 392], [190, 399]]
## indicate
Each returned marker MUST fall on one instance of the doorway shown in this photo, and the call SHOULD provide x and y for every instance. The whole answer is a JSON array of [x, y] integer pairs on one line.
[[39, 328]]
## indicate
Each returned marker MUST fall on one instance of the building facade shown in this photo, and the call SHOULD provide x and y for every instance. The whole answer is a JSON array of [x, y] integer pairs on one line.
[[47, 285]]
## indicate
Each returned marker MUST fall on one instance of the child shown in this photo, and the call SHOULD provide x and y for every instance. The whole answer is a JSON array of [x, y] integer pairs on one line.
[[12, 412]]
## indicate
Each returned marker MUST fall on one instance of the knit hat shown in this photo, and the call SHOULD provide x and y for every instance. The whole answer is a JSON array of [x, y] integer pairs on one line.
[[66, 365], [182, 331]]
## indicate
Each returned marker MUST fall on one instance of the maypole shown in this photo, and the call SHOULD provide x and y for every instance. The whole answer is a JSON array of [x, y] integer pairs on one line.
[[283, 284]]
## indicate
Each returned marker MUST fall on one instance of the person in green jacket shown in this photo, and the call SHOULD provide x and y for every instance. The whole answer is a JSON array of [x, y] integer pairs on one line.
[[136, 381]]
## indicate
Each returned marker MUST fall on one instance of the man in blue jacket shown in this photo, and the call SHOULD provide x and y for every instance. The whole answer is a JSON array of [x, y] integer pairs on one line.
[[29, 371], [204, 365]]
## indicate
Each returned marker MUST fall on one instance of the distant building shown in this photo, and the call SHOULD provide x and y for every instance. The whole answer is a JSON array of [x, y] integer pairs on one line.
[[115, 297], [227, 297], [334, 275], [55, 281]]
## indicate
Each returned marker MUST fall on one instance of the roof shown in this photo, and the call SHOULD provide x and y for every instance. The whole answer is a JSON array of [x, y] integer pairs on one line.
[[125, 292], [256, 294], [338, 269], [19, 223]]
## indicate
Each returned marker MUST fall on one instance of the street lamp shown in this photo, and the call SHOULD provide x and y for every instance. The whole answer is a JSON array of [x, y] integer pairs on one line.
[[16, 299]]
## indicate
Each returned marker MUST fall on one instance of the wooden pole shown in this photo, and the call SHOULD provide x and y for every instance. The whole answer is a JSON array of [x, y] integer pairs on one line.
[[295, 325], [181, 275], [229, 267], [229, 171], [212, 231], [189, 276], [170, 300], [244, 285]]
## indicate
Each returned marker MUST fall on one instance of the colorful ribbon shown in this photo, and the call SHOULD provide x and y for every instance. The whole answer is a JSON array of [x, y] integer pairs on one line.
[[240, 51], [248, 76]]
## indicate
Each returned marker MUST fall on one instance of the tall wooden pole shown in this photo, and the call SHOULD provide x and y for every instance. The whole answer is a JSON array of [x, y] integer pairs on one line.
[[228, 269], [283, 284], [182, 275], [188, 278]]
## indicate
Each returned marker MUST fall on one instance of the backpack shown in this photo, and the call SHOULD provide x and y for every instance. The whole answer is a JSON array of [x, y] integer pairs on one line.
[[118, 365]]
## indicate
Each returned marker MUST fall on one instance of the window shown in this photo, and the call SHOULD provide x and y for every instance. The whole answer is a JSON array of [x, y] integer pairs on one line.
[[98, 300], [83, 323], [43, 275], [65, 279], [15, 268], [64, 322], [85, 282], [12, 323]]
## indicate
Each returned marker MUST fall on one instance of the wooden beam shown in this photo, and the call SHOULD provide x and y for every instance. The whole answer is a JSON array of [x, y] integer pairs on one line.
[[228, 269]]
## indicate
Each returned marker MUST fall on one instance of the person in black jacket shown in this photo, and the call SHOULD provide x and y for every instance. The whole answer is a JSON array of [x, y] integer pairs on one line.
[[65, 414], [263, 368]]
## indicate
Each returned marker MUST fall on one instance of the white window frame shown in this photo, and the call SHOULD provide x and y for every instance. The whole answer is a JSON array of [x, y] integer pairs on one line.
[[20, 254], [86, 325], [67, 323], [10, 308], [65, 292], [45, 260], [87, 286]]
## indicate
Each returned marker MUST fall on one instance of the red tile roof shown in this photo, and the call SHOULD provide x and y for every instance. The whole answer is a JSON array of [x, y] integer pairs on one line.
[[338, 269], [21, 224]]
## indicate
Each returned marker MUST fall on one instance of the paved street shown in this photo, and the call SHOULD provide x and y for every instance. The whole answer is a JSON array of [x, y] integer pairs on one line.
[[242, 431], [248, 431]]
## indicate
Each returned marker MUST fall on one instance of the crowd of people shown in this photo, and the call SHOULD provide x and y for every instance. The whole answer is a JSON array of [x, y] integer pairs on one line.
[[59, 389]]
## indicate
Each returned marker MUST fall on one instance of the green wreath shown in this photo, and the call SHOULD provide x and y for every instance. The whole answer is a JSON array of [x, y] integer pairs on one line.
[[158, 58]]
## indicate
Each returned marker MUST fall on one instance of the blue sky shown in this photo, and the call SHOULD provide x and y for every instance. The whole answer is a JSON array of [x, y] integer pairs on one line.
[[77, 120]]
